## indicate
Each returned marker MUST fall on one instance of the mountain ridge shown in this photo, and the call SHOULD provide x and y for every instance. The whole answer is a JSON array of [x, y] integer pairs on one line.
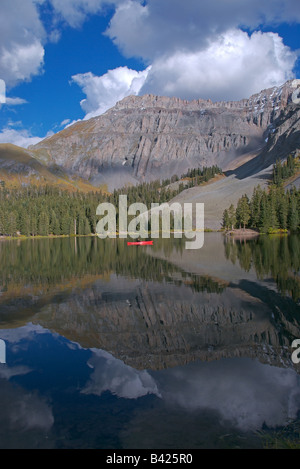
[[19, 168], [148, 137]]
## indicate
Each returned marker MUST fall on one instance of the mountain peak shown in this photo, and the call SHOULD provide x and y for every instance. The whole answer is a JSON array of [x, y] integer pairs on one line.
[[149, 137], [276, 93]]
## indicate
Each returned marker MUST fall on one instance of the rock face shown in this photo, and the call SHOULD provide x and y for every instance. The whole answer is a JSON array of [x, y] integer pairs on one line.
[[149, 137]]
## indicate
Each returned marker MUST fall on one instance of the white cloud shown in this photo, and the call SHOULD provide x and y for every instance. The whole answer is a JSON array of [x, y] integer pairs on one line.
[[74, 12], [21, 62], [21, 138], [157, 28], [198, 49], [15, 101], [233, 66], [21, 41], [103, 92], [65, 122]]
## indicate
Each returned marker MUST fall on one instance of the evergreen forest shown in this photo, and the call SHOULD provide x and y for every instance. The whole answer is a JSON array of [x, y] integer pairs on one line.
[[271, 209], [47, 210]]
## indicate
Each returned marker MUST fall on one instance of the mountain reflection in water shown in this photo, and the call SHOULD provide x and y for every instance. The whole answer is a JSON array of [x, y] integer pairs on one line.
[[150, 340]]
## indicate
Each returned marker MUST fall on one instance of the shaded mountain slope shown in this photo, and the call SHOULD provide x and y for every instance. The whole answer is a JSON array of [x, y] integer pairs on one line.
[[19, 168]]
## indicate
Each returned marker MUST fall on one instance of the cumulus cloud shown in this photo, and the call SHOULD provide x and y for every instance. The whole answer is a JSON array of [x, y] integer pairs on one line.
[[75, 12], [199, 49], [21, 62], [154, 28], [21, 41], [233, 66], [191, 50], [21, 138], [103, 92], [23, 34]]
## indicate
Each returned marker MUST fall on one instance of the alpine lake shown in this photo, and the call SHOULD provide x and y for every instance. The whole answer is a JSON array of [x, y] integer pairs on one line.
[[110, 346]]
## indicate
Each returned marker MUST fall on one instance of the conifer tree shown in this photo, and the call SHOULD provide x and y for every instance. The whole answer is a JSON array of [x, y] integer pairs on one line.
[[283, 209], [243, 211], [43, 224], [226, 219], [232, 216], [255, 206], [293, 216], [11, 225]]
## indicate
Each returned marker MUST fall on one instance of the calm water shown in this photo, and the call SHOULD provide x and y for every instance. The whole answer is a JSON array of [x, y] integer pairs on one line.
[[115, 347]]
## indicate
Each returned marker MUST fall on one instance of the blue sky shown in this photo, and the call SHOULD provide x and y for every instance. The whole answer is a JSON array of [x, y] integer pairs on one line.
[[66, 60]]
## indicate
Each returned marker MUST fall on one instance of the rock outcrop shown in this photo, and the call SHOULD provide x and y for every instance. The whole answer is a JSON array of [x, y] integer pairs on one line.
[[149, 137]]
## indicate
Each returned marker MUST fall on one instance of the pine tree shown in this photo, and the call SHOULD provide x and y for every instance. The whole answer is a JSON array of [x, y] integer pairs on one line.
[[226, 223], [283, 210], [87, 227], [243, 211], [232, 216], [277, 173], [293, 217], [272, 198], [2, 221], [11, 225], [33, 225], [65, 223], [43, 224], [290, 165], [264, 221], [24, 223], [54, 227], [255, 206]]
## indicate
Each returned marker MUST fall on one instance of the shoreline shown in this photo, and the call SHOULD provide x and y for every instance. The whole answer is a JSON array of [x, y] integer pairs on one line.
[[245, 233], [249, 233], [235, 233]]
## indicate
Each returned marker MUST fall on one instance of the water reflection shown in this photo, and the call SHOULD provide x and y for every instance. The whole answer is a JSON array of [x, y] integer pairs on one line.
[[157, 307], [49, 402], [111, 347], [274, 256]]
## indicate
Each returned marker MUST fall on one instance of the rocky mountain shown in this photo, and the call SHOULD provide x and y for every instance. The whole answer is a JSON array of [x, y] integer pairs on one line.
[[149, 137], [283, 137]]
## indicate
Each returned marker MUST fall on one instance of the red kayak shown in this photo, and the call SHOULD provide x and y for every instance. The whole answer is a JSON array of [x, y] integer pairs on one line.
[[140, 243]]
